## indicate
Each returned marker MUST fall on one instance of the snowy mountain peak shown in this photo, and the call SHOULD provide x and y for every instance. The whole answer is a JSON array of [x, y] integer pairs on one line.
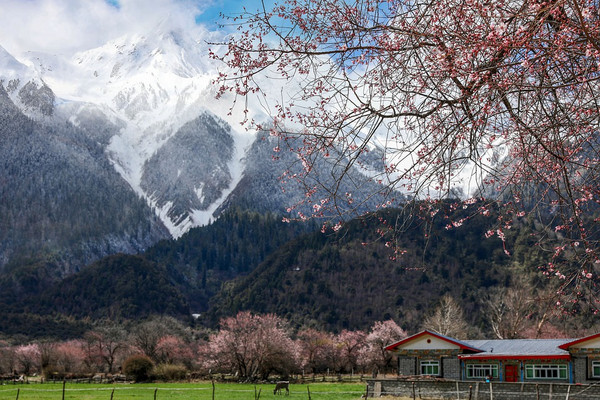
[[168, 52], [143, 78], [25, 86], [147, 103], [154, 91], [10, 66]]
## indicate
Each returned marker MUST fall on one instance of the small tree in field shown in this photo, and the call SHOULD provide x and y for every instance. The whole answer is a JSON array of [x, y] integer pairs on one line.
[[70, 357], [174, 350], [138, 367], [147, 335], [104, 346], [28, 358], [381, 335], [8, 360], [48, 356], [251, 346], [487, 103], [350, 344], [318, 351]]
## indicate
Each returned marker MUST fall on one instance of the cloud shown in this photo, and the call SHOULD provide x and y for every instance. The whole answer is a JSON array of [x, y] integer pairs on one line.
[[67, 26]]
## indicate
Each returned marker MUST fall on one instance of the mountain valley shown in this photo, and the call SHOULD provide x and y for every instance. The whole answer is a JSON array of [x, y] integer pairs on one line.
[[128, 191]]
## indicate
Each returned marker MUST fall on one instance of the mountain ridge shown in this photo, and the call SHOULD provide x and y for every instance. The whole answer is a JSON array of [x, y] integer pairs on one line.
[[145, 111], [148, 87], [254, 262], [61, 197]]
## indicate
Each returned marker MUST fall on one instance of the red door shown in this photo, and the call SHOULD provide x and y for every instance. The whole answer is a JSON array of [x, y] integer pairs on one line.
[[511, 373]]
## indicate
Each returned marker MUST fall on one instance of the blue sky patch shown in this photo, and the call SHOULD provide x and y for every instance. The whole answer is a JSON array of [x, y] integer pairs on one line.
[[114, 3]]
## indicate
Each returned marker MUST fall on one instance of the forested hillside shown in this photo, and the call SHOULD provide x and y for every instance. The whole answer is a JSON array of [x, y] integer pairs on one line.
[[348, 279], [233, 245], [61, 199], [246, 261], [174, 277]]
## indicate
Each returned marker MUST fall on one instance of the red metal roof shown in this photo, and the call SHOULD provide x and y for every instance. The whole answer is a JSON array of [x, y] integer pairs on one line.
[[577, 341], [504, 349]]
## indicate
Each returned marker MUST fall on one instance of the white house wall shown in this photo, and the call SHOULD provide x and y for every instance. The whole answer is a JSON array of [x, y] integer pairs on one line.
[[427, 342], [588, 344]]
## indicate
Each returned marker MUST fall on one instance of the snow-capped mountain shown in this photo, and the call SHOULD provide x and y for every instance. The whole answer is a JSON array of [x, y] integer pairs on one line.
[[61, 201], [155, 88], [141, 111], [24, 86]]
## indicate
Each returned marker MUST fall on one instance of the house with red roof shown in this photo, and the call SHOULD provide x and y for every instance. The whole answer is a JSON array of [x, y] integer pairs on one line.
[[431, 354]]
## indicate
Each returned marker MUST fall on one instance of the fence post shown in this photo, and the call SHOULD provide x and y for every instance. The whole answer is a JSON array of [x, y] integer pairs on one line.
[[155, 391], [413, 390], [63, 391], [18, 391], [112, 394], [308, 390], [491, 391], [213, 389], [457, 391]]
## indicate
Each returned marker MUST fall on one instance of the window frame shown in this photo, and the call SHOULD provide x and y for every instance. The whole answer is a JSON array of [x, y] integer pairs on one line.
[[535, 371], [492, 370], [426, 364], [595, 364]]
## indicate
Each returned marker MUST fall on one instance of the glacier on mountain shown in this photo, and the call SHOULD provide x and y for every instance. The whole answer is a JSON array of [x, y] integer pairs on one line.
[[148, 101], [147, 88], [25, 87]]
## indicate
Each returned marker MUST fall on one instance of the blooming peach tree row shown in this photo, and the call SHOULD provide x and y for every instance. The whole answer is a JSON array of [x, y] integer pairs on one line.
[[249, 346]]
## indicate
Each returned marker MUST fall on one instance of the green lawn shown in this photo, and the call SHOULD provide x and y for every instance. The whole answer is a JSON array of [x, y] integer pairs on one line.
[[179, 391]]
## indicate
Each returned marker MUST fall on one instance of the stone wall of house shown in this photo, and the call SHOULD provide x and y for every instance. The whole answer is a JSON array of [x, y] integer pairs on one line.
[[451, 368], [581, 359], [447, 389], [407, 366], [579, 369]]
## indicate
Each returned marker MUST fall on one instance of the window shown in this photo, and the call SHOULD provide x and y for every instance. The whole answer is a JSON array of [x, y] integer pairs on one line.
[[482, 370], [546, 371], [430, 367], [595, 369]]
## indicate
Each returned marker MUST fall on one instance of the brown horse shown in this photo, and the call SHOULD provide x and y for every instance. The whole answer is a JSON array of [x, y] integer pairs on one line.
[[282, 385]]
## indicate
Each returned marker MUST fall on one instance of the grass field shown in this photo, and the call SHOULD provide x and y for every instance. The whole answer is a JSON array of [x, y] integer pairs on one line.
[[179, 391]]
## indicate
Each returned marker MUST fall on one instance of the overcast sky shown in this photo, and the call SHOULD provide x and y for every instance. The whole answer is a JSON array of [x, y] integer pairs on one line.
[[67, 26]]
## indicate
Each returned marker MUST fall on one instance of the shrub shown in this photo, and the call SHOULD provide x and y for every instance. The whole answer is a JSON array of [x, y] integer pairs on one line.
[[170, 372], [138, 367], [53, 372]]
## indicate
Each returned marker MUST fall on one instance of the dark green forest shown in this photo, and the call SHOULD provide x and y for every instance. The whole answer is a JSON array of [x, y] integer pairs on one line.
[[348, 279], [248, 261], [173, 277]]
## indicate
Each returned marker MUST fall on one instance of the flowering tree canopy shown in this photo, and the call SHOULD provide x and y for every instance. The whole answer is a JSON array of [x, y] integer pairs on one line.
[[318, 350], [28, 356], [350, 344], [252, 346], [487, 102], [381, 335], [103, 346]]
